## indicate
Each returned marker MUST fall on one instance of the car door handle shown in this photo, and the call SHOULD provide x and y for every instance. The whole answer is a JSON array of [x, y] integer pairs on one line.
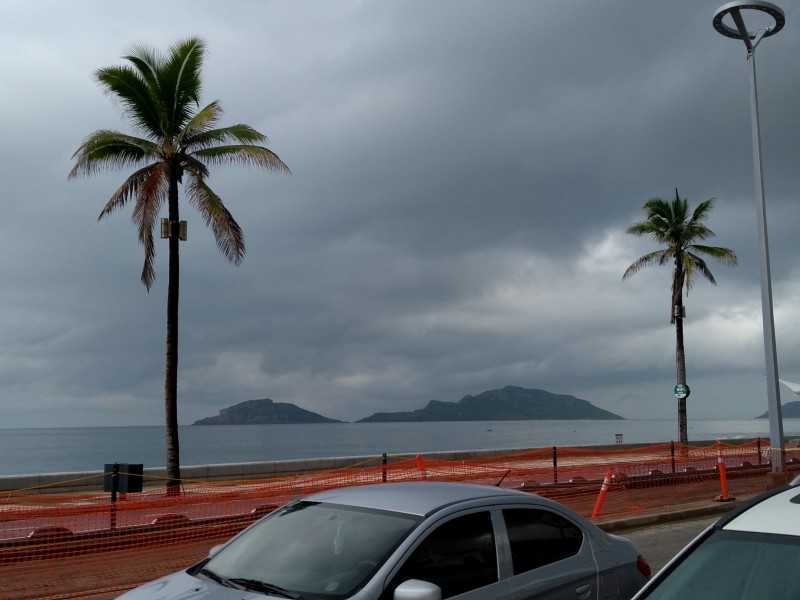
[[583, 591]]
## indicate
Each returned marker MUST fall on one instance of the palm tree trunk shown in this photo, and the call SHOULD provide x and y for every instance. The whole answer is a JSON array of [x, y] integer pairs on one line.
[[680, 364], [171, 376]]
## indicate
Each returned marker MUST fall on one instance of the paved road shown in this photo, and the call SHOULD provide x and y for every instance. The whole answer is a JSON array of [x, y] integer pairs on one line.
[[659, 543]]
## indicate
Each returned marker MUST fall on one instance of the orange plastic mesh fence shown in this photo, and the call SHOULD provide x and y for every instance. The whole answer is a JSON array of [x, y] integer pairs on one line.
[[60, 546]]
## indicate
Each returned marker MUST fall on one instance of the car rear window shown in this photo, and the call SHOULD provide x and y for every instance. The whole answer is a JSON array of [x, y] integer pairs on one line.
[[459, 556], [539, 537]]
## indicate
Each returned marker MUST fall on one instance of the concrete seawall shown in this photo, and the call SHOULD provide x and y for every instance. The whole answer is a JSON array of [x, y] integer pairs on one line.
[[89, 481], [92, 481]]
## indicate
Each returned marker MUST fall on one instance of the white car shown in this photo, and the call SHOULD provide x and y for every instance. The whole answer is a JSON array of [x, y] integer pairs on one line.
[[414, 541], [751, 553]]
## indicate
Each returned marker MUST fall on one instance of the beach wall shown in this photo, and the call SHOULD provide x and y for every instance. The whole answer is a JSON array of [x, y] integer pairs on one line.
[[92, 481]]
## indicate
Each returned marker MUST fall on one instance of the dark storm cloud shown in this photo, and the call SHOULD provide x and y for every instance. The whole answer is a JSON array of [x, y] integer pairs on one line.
[[463, 174]]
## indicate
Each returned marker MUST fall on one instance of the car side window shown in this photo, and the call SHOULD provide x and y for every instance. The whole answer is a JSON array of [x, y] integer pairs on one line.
[[539, 537], [458, 556]]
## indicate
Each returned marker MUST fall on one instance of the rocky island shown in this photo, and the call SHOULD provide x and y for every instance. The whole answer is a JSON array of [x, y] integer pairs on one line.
[[507, 404], [264, 412], [790, 410]]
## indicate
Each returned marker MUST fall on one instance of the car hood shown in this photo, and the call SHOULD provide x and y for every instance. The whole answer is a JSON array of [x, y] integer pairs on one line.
[[182, 586]]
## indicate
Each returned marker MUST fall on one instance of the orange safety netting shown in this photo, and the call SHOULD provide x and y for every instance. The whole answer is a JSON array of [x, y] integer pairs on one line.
[[61, 546]]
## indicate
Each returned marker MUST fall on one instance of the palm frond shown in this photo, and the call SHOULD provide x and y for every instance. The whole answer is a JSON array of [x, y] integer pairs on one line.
[[665, 257], [128, 190], [204, 120], [723, 255], [244, 154], [643, 228], [695, 231], [147, 240], [179, 83], [150, 197], [695, 264], [146, 60], [235, 134], [227, 233], [194, 167], [703, 210], [640, 263], [109, 149], [132, 90]]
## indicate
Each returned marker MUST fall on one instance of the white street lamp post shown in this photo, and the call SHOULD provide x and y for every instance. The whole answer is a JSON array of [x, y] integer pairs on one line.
[[751, 40]]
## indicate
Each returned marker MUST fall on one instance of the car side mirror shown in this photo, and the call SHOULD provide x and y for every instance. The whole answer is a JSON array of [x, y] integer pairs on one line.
[[415, 589], [214, 550]]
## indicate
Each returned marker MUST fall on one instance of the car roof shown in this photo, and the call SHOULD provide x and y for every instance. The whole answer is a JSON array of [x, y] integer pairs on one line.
[[776, 512], [419, 498]]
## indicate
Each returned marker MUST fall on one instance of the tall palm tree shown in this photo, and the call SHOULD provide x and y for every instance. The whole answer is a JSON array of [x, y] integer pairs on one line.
[[160, 94], [671, 224]]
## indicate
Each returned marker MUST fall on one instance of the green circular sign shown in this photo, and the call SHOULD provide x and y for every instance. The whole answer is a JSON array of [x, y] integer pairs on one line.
[[681, 390]]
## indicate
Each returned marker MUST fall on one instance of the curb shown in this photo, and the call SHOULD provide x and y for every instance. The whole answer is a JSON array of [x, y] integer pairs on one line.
[[670, 516]]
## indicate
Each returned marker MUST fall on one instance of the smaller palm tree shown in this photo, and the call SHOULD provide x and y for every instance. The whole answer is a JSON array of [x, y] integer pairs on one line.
[[671, 224]]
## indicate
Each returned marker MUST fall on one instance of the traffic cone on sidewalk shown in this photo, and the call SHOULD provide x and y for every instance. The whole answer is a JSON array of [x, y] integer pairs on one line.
[[423, 475], [598, 506], [723, 477]]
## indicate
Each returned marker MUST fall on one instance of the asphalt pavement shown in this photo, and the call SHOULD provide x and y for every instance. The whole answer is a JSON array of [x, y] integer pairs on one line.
[[659, 543], [661, 535]]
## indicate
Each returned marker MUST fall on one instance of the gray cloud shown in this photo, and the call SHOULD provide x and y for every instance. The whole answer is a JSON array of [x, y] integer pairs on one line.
[[463, 174]]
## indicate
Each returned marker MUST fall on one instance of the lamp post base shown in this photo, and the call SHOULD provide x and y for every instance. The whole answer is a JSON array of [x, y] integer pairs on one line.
[[776, 479]]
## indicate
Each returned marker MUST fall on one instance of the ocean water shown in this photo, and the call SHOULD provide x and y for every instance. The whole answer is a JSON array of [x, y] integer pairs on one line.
[[64, 450]]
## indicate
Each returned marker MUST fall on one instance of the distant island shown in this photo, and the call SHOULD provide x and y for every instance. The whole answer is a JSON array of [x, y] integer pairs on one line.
[[264, 412], [508, 404], [790, 410]]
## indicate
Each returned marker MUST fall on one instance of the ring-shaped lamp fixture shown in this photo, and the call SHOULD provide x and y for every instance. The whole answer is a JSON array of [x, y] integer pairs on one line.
[[735, 8]]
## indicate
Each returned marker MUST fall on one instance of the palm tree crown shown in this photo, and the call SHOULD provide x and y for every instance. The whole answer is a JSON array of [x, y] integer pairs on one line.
[[161, 96], [672, 224]]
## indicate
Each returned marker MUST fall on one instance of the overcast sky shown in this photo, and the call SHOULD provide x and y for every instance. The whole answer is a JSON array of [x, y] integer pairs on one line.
[[463, 173]]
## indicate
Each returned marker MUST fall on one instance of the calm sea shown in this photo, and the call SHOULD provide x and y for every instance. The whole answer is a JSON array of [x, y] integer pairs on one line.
[[35, 451]]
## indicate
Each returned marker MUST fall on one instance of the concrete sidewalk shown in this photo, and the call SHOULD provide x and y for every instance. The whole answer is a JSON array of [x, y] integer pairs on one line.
[[673, 514]]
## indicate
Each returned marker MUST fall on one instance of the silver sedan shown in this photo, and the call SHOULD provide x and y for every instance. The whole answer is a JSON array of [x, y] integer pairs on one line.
[[414, 541]]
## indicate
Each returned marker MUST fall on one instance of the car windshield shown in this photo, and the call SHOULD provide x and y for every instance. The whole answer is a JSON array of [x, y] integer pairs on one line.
[[736, 566], [314, 550]]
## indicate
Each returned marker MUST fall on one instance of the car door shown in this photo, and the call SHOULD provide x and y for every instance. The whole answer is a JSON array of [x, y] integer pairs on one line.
[[551, 556], [460, 555]]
